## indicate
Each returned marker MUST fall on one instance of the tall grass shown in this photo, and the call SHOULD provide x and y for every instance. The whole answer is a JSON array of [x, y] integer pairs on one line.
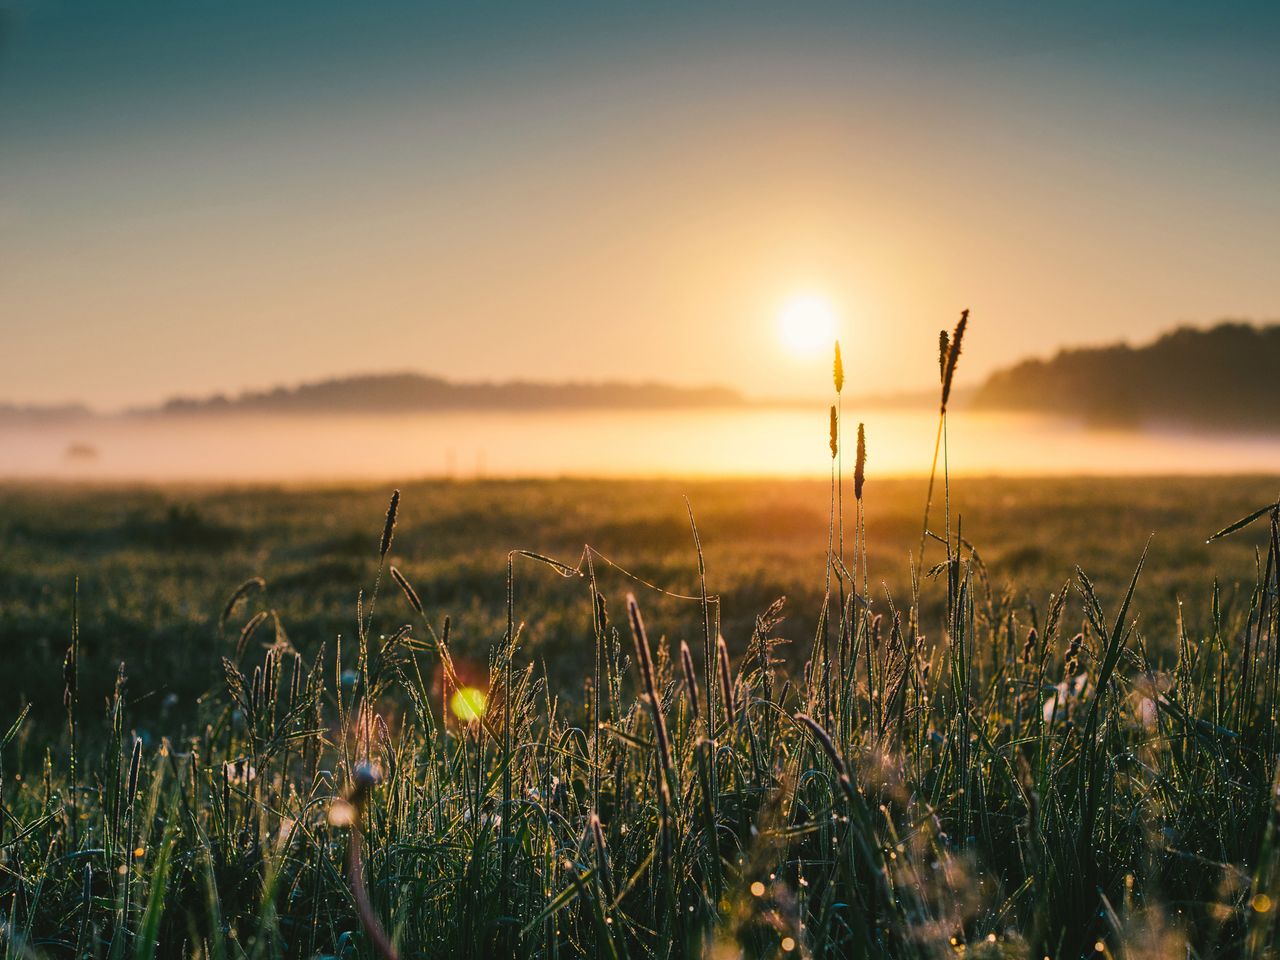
[[942, 786]]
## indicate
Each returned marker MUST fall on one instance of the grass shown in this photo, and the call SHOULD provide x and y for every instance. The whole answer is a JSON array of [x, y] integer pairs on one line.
[[156, 566], [910, 773]]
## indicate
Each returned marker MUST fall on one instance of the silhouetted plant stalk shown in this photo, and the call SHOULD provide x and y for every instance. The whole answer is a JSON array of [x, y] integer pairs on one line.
[[822, 641], [860, 538], [384, 546], [389, 527], [948, 356], [834, 444], [409, 593], [860, 470], [838, 380], [842, 572]]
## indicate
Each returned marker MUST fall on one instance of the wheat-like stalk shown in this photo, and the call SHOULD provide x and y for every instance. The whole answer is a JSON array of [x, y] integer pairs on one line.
[[726, 682], [860, 466], [248, 630], [953, 355], [407, 589], [690, 678], [389, 527], [1071, 660], [1029, 647], [242, 591]]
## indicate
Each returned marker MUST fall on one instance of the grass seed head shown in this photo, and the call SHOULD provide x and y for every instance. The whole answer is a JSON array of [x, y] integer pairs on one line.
[[389, 528], [1071, 662], [1029, 647], [242, 591], [248, 630], [860, 469], [690, 678], [953, 355], [407, 589], [726, 682]]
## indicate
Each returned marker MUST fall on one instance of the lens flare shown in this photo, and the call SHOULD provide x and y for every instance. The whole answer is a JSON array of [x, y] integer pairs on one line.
[[468, 704]]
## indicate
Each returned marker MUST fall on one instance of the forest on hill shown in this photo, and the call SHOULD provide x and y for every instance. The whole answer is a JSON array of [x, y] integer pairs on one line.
[[414, 391], [1225, 377]]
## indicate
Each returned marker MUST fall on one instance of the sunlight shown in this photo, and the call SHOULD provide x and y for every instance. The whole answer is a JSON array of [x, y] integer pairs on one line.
[[807, 324], [469, 704]]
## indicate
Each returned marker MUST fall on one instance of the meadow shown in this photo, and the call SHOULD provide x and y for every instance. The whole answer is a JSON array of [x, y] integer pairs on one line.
[[269, 722], [155, 565]]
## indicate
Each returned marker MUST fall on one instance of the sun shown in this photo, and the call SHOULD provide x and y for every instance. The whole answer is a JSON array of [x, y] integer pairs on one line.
[[807, 324]]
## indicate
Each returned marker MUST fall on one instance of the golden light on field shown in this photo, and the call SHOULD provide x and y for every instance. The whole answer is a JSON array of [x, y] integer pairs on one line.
[[807, 324], [468, 704]]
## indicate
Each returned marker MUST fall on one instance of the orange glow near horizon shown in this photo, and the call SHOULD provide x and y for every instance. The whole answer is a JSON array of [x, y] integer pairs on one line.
[[191, 215], [789, 441]]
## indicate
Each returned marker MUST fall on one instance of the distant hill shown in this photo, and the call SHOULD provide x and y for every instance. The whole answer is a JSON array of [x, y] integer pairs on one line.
[[380, 393], [29, 414], [1226, 377]]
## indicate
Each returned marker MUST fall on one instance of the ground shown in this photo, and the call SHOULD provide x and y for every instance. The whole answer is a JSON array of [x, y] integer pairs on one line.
[[156, 565]]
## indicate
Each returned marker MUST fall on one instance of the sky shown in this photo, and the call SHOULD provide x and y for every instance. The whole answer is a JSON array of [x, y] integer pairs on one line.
[[200, 197]]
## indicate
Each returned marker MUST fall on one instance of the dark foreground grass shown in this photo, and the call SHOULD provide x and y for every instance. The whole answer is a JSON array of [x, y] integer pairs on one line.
[[947, 766]]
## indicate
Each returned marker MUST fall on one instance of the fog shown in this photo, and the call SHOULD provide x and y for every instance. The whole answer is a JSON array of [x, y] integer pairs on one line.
[[737, 442]]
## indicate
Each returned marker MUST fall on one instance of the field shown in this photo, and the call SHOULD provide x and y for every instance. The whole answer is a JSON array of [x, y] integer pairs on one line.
[[156, 565], [177, 788]]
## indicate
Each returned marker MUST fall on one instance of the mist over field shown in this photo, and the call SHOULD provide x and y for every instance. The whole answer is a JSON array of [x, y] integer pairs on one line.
[[1191, 402], [716, 442]]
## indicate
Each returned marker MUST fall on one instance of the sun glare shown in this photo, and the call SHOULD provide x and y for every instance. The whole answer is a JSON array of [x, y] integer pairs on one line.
[[468, 704], [807, 324]]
